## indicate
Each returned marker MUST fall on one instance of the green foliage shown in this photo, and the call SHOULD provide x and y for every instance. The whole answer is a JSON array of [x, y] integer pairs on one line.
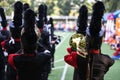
[[9, 11], [7, 7], [4, 4], [10, 1], [111, 5], [26, 1], [79, 2], [114, 5], [50, 5], [65, 7], [89, 6], [62, 7]]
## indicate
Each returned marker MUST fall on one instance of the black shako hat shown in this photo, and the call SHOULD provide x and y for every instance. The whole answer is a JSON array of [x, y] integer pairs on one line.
[[25, 6], [82, 20], [15, 27], [28, 36], [94, 31], [95, 24], [3, 17], [40, 22]]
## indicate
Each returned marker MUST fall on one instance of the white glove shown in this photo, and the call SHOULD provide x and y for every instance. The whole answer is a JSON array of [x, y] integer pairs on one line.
[[5, 53], [46, 51], [12, 41]]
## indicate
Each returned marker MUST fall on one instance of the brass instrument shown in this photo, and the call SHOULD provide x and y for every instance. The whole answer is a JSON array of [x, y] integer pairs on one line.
[[78, 43]]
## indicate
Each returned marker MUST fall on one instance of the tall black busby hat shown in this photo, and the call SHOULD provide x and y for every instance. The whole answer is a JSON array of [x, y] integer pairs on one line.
[[45, 13], [95, 24], [78, 40], [18, 9], [29, 23], [51, 21], [94, 31], [40, 22], [4, 21], [82, 20], [41, 11], [25, 6], [28, 36], [15, 27]]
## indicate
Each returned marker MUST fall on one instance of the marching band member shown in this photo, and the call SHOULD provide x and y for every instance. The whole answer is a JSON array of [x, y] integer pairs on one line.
[[77, 52], [30, 63], [53, 39], [90, 63], [43, 44], [4, 35], [13, 44], [99, 62]]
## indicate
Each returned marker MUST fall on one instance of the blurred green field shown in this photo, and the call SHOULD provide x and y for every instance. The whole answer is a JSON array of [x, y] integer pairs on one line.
[[62, 71]]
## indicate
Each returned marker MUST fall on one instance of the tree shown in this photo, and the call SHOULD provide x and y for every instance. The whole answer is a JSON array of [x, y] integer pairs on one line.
[[111, 5], [11, 2], [6, 7], [114, 5], [65, 6], [50, 5]]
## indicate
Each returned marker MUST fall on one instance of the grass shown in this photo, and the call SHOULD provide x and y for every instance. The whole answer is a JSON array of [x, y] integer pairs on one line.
[[114, 71], [59, 73]]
